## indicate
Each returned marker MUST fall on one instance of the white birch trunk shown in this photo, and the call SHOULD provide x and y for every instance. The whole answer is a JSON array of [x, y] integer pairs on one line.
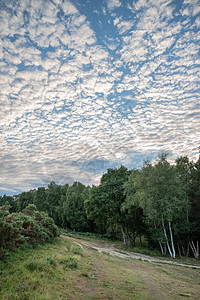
[[195, 250], [161, 248], [160, 244], [124, 235], [168, 246], [172, 241]]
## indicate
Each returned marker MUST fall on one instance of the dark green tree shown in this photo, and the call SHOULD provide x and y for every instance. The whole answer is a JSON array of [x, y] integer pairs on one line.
[[10, 200], [73, 210], [40, 199], [133, 211], [53, 195], [105, 202], [24, 199]]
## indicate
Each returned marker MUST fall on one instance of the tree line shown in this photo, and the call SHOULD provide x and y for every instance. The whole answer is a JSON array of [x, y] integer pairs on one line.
[[160, 202]]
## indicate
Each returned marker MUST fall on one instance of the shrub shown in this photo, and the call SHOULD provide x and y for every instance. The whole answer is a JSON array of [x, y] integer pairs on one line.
[[29, 226], [10, 228]]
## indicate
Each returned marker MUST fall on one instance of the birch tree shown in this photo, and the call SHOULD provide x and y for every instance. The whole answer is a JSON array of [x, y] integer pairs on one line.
[[162, 197]]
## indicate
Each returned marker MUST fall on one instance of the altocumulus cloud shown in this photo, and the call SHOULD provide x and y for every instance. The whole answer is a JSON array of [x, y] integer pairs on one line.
[[87, 85]]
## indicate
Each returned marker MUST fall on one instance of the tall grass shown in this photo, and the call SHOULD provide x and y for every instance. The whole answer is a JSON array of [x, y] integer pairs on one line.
[[32, 273]]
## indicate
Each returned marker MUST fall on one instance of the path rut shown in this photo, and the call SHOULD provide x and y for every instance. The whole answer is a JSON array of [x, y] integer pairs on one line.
[[126, 254]]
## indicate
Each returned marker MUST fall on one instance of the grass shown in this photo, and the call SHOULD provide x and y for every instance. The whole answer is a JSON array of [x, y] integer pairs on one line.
[[40, 273], [63, 270]]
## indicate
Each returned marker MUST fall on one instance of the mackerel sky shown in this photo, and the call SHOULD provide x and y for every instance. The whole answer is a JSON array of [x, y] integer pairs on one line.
[[89, 85]]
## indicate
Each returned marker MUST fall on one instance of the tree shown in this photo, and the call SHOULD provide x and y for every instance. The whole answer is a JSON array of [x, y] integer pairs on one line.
[[162, 197], [40, 199], [194, 213], [105, 201], [11, 201], [53, 195], [73, 210], [133, 211], [24, 199]]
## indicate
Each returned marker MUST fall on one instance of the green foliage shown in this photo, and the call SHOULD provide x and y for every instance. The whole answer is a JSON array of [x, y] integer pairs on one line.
[[10, 228], [24, 199], [160, 193], [29, 226], [9, 200], [106, 204], [73, 210], [105, 201], [49, 200], [161, 190], [70, 262], [194, 198]]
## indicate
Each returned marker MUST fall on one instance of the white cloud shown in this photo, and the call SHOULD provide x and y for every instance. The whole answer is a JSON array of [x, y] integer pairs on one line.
[[124, 26], [69, 8], [112, 4], [78, 102]]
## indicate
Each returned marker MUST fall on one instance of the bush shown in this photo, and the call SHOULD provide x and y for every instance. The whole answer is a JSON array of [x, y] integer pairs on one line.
[[29, 226], [37, 226], [10, 229]]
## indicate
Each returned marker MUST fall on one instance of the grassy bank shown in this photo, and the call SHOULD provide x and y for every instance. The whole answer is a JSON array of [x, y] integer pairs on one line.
[[64, 270], [41, 273]]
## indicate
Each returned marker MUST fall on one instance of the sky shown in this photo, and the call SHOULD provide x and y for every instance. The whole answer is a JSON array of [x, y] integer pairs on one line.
[[87, 85]]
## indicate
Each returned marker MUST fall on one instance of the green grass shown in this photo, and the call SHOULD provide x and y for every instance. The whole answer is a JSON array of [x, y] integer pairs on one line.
[[39, 273], [63, 270]]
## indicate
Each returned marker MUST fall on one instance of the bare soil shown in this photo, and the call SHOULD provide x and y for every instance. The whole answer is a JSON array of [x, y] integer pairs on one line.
[[111, 250]]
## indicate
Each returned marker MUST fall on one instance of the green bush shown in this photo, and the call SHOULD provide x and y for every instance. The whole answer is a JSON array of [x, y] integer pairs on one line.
[[10, 229], [29, 226]]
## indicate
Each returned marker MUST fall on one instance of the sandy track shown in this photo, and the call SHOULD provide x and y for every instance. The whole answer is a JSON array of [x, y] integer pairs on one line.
[[125, 254]]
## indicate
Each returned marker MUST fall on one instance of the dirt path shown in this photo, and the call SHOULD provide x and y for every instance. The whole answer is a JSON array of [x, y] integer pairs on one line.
[[126, 254]]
